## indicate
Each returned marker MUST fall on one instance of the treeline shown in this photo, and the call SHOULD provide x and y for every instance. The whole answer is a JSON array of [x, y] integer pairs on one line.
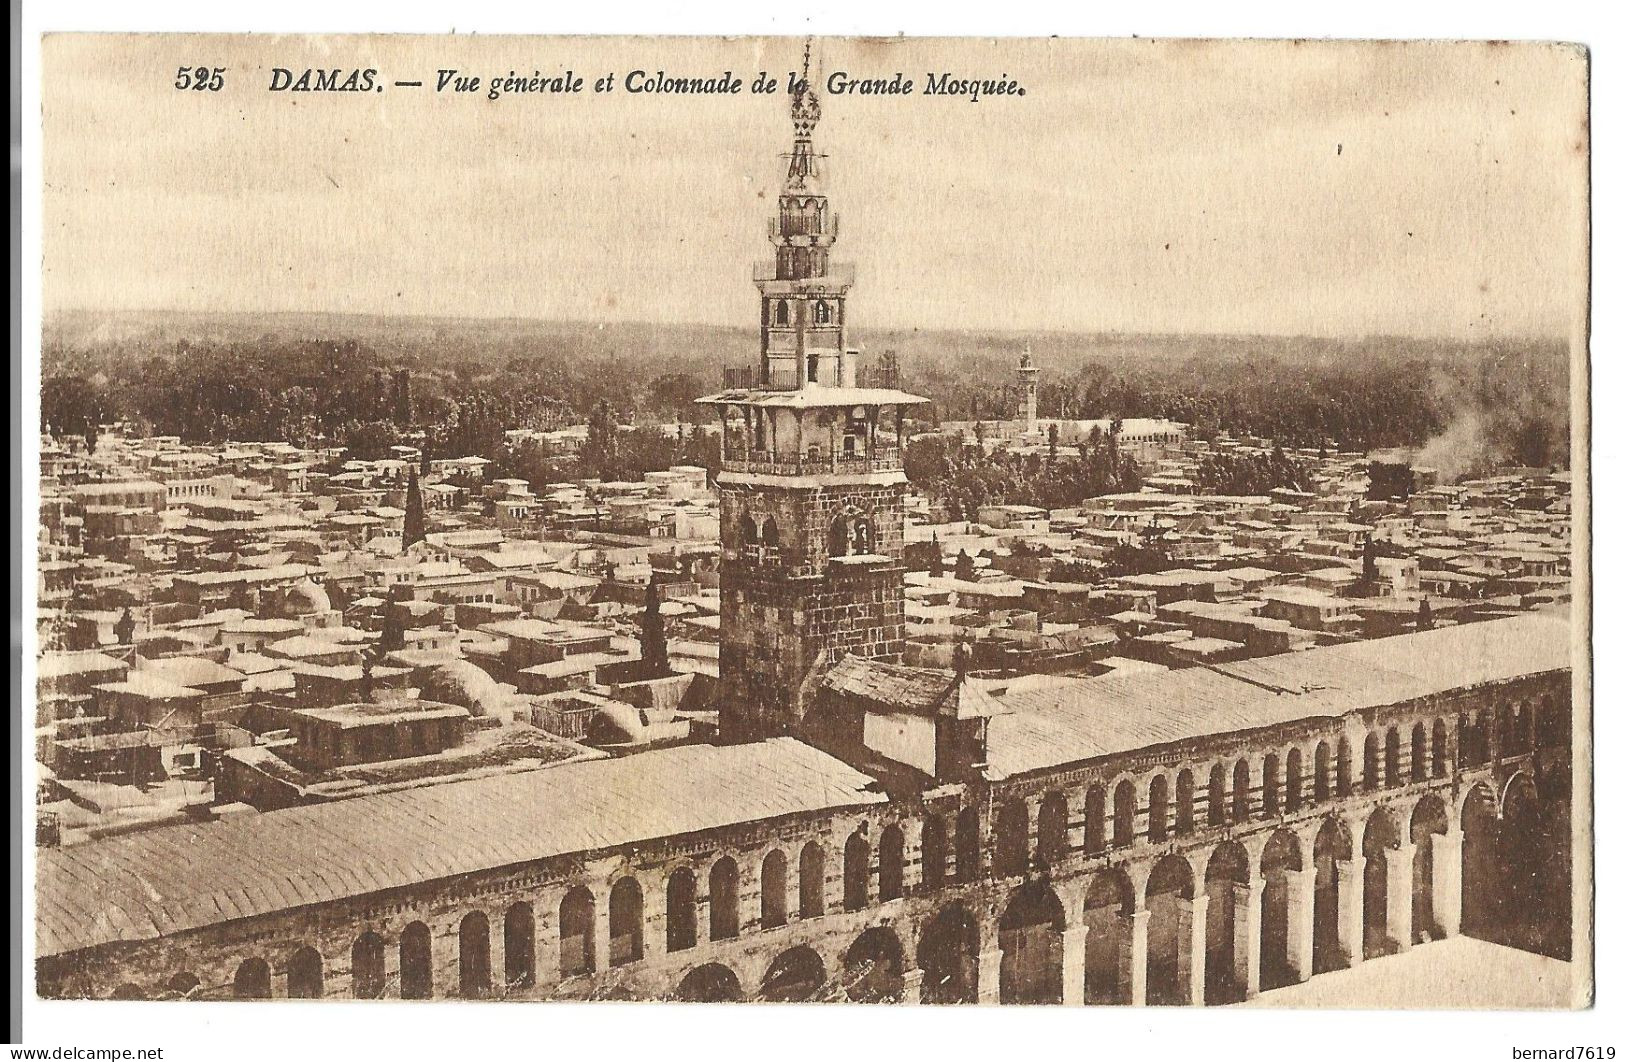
[[964, 478]]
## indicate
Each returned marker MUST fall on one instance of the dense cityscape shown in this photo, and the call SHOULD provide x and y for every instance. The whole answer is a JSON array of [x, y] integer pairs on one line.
[[423, 697]]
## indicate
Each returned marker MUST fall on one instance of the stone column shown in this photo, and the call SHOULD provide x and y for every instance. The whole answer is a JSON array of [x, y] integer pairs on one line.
[[912, 981], [1073, 951], [1400, 886], [392, 967], [1192, 949], [1138, 925], [600, 936], [1249, 935], [1300, 922], [1351, 908], [1447, 882], [987, 974]]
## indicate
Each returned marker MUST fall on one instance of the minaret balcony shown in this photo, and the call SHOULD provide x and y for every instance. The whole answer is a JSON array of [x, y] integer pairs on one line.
[[768, 463]]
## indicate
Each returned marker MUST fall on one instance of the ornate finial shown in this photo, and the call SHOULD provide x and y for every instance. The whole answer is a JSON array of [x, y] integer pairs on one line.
[[804, 101]]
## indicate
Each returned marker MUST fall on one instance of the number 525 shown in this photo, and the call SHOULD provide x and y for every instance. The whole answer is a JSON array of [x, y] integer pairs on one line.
[[200, 78]]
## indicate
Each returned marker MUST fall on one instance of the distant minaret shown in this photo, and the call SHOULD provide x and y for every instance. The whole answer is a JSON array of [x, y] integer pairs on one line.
[[1029, 383]]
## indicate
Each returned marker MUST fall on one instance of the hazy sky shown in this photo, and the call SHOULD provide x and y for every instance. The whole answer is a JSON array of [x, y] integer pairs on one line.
[[1137, 186]]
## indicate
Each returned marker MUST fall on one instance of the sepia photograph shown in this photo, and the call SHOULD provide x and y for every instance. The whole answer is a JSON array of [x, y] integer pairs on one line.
[[810, 520]]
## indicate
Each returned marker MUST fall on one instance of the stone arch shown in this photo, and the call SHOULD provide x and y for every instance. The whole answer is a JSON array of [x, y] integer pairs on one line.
[[1282, 856], [933, 852], [711, 983], [1052, 827], [1535, 881], [1377, 839], [948, 956], [796, 975], [781, 314], [891, 862], [967, 846], [775, 889], [1429, 818], [127, 991], [855, 873], [519, 945], [1185, 803], [625, 921], [474, 956], [1094, 819], [417, 962], [1229, 876], [1108, 905], [1294, 780], [722, 899], [305, 974], [1168, 894], [872, 968], [770, 533], [185, 983], [1156, 810], [252, 980], [576, 915], [839, 536], [1010, 839], [1333, 845], [682, 918], [810, 880], [1030, 939], [1123, 808]]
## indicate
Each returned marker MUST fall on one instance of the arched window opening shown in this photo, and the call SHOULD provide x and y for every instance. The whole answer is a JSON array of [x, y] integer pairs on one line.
[[253, 980], [519, 946], [1010, 840], [781, 314], [770, 533], [1371, 776], [724, 899], [1441, 766], [863, 536], [775, 901], [967, 846], [576, 913], [891, 862], [1391, 775], [821, 312], [1419, 753], [839, 537], [625, 922], [1094, 819], [855, 873], [812, 880], [1241, 794], [1185, 803], [1123, 800], [1215, 795], [417, 962], [474, 956], [1294, 781], [305, 974], [680, 917], [1052, 824], [933, 852], [1156, 812]]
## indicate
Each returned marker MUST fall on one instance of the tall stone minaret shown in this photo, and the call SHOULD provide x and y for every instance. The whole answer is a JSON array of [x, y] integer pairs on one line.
[[1029, 384], [812, 483]]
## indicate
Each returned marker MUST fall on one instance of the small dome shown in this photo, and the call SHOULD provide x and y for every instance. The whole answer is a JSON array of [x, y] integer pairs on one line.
[[463, 684], [305, 598]]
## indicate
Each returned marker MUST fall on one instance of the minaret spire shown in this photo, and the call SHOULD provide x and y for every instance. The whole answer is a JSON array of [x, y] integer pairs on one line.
[[804, 114]]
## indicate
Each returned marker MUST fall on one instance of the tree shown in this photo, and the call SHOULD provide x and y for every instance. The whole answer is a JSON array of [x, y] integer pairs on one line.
[[935, 561], [1424, 616], [413, 530], [600, 454], [124, 629], [425, 462], [964, 567], [1054, 444], [653, 635]]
